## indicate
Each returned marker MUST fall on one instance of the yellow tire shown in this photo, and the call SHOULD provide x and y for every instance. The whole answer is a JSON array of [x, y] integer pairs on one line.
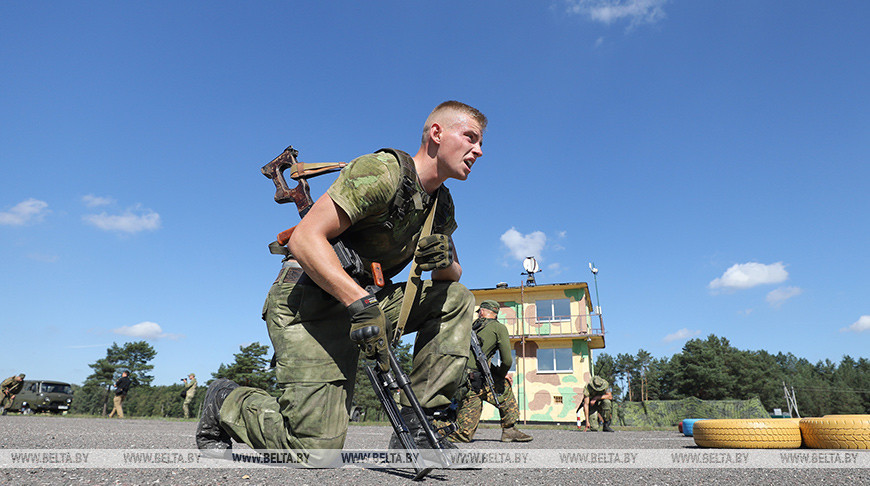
[[837, 432], [748, 433]]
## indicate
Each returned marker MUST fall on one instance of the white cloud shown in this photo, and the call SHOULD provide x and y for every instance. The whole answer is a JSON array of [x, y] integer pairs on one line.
[[778, 296], [636, 12], [746, 275], [522, 246], [128, 222], [25, 212], [681, 335], [92, 201], [861, 325], [145, 330]]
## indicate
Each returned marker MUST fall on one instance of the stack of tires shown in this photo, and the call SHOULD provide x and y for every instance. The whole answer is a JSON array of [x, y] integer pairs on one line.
[[828, 432]]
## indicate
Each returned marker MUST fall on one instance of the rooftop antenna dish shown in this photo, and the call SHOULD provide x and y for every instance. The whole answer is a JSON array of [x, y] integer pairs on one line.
[[530, 265]]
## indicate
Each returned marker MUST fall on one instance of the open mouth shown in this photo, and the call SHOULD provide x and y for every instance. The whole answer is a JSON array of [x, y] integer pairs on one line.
[[469, 163]]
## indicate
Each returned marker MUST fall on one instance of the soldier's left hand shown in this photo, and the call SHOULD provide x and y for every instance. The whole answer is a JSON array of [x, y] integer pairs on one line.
[[434, 252]]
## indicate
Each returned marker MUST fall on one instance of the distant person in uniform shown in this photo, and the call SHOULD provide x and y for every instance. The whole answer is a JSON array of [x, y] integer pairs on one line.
[[493, 335], [121, 387], [188, 393], [597, 398], [10, 387]]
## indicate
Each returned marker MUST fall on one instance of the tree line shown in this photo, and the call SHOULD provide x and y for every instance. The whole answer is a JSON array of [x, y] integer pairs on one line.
[[251, 366], [712, 369], [709, 369]]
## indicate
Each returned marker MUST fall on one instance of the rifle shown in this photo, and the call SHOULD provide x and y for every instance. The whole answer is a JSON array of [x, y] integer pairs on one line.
[[385, 383], [483, 364]]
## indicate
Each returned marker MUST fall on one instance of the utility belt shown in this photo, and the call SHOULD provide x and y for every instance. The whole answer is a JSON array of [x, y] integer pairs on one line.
[[291, 273]]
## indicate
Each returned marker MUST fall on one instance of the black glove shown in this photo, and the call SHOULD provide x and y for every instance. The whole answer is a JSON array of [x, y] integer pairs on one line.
[[498, 378], [434, 252], [368, 328]]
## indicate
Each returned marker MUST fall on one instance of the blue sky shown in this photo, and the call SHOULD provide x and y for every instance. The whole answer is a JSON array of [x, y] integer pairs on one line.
[[711, 158]]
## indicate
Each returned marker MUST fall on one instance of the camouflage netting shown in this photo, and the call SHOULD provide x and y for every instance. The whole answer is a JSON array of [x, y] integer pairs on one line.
[[664, 413]]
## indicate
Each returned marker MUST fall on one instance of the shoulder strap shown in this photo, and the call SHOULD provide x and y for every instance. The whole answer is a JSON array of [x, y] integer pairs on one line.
[[407, 195], [412, 286]]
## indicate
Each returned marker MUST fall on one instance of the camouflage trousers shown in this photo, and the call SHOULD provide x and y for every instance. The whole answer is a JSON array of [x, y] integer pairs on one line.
[[604, 408], [186, 405], [316, 362], [471, 406]]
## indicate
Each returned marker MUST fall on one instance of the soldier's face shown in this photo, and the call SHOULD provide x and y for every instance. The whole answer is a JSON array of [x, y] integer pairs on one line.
[[459, 147]]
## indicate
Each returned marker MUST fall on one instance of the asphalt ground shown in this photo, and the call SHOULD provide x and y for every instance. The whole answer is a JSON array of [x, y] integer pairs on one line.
[[72, 433]]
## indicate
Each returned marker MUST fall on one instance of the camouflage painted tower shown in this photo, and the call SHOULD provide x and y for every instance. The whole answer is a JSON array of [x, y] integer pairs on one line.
[[553, 330]]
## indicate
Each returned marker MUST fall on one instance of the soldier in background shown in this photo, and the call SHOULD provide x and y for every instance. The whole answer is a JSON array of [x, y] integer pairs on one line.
[[121, 388], [597, 398], [493, 336], [189, 392], [9, 388]]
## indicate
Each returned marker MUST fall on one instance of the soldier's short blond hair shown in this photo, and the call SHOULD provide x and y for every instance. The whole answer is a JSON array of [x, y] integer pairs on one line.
[[453, 106]]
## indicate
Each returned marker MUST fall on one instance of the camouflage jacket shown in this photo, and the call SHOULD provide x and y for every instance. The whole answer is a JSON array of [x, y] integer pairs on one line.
[[11, 386], [367, 188], [190, 388]]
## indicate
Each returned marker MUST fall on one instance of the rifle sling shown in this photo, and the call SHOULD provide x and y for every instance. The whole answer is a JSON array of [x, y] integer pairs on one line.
[[412, 286], [301, 170]]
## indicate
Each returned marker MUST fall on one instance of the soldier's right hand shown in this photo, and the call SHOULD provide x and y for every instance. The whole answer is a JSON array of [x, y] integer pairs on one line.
[[368, 328], [434, 252]]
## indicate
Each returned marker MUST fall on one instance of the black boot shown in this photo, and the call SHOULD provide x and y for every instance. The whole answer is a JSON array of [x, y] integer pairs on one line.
[[211, 439], [418, 433], [606, 427]]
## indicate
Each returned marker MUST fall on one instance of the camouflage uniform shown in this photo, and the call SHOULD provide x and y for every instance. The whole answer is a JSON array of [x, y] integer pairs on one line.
[[493, 335], [190, 392], [471, 407], [315, 358], [8, 389], [604, 407]]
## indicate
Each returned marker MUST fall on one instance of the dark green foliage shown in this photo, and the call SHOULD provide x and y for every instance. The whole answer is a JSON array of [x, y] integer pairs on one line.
[[90, 399], [95, 396], [364, 395], [712, 369], [703, 369], [710, 377], [605, 367], [161, 401], [133, 358], [250, 368]]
